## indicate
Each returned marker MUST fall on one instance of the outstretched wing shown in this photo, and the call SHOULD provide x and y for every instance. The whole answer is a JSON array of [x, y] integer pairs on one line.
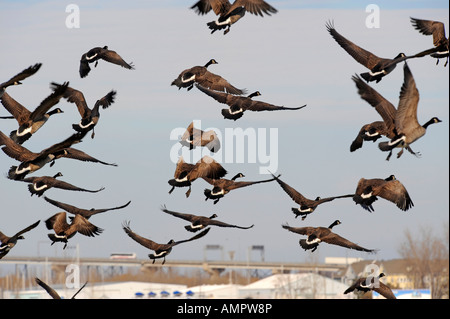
[[188, 217], [27, 229], [335, 239], [199, 235], [52, 292], [148, 243]]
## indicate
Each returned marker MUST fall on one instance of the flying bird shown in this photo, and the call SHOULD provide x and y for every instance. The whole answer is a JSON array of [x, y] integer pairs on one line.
[[7, 243], [186, 173], [64, 231], [407, 127], [316, 235], [223, 186], [161, 250], [201, 75], [200, 222], [229, 14], [15, 80], [440, 41], [52, 292], [86, 213], [38, 185], [307, 206], [390, 189], [371, 283], [30, 161], [89, 117], [97, 53], [31, 121], [379, 67], [239, 104], [194, 137]]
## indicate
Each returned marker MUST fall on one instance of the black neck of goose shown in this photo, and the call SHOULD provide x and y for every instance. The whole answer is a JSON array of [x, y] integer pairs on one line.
[[432, 121], [334, 224], [54, 111], [253, 94], [236, 176], [209, 63]]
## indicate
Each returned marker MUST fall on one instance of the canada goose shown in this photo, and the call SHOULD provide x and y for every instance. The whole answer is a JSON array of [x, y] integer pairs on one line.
[[30, 161], [64, 231], [200, 222], [89, 117], [193, 138], [407, 128], [239, 104], [307, 206], [161, 250], [52, 291], [30, 122], [228, 13], [370, 283], [223, 186], [86, 213], [200, 75], [440, 41], [377, 129], [379, 67], [316, 235], [391, 189], [97, 53], [38, 185], [7, 243], [15, 80], [186, 173]]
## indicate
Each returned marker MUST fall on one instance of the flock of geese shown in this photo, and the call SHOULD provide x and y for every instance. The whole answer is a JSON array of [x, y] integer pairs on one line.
[[399, 125]]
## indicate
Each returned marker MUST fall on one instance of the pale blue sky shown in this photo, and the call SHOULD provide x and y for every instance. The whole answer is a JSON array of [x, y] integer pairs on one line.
[[290, 58]]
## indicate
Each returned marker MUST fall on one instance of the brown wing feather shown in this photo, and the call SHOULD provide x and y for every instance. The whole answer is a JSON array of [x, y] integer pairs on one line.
[[364, 57], [148, 243], [335, 239]]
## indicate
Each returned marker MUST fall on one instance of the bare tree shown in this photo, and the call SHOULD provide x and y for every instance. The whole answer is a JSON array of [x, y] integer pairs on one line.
[[429, 256]]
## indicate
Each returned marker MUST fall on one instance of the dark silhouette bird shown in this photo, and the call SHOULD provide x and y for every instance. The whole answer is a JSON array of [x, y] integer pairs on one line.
[[15, 80], [97, 53], [229, 14], [440, 41], [31, 121], [379, 67], [239, 104], [407, 127], [201, 75], [223, 186], [7, 243], [86, 213], [89, 117], [200, 222], [161, 250], [307, 206], [38, 185], [30, 161], [186, 173], [64, 231], [194, 137], [390, 189], [52, 292], [371, 283], [316, 235]]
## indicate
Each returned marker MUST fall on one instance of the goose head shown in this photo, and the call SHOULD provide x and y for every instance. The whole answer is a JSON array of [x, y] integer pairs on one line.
[[336, 222], [59, 174], [212, 61], [433, 120], [390, 178], [257, 93], [239, 175], [213, 216], [55, 111]]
